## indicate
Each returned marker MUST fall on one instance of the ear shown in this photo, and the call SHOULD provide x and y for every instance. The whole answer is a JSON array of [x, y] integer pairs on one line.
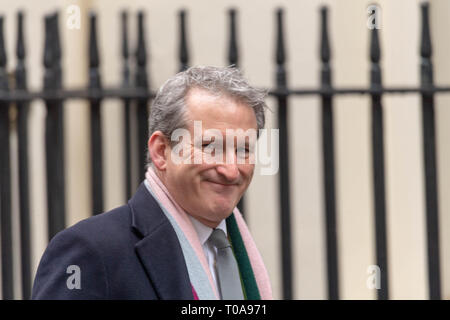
[[157, 147]]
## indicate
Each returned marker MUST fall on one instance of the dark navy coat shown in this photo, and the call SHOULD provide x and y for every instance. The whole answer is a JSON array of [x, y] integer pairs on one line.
[[131, 252]]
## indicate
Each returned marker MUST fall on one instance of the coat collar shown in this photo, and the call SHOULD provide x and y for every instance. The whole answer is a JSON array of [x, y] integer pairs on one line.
[[159, 249]]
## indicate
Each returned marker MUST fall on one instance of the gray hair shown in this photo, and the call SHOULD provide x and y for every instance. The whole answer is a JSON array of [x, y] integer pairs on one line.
[[168, 109]]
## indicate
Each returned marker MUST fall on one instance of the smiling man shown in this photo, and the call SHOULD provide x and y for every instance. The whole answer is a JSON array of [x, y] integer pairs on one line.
[[180, 236]]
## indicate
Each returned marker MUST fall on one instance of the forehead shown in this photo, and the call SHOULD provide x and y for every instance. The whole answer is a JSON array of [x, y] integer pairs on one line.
[[218, 111]]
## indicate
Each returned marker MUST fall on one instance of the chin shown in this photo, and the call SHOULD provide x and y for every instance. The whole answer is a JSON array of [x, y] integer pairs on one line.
[[222, 211]]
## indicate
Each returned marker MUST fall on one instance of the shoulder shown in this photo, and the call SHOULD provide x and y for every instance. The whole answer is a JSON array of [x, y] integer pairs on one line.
[[84, 248], [106, 235], [105, 227]]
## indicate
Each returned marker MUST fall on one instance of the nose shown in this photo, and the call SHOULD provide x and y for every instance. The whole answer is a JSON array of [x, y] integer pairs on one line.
[[229, 169]]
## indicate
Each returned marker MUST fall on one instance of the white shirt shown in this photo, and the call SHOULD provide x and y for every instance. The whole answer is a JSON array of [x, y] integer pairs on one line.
[[210, 251]]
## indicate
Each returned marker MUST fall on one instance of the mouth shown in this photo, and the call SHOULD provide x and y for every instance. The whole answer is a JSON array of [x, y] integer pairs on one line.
[[221, 184]]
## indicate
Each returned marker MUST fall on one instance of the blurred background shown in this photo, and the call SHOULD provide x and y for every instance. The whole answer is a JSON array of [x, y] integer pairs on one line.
[[207, 37]]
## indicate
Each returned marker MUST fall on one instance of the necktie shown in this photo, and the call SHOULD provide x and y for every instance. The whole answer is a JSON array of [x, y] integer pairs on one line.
[[227, 269]]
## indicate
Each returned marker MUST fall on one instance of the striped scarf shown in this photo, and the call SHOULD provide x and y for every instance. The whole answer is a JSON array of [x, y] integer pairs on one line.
[[254, 277]]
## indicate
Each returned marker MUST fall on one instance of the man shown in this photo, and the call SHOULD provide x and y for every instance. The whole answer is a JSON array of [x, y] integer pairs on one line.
[[180, 236]]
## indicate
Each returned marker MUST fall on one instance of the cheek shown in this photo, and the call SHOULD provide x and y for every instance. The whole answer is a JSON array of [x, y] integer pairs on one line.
[[247, 171], [191, 177], [180, 177]]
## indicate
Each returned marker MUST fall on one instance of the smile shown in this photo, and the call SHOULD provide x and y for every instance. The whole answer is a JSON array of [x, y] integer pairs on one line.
[[221, 184]]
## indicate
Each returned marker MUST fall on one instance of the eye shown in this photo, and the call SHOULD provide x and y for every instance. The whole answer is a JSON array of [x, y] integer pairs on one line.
[[243, 152], [211, 147]]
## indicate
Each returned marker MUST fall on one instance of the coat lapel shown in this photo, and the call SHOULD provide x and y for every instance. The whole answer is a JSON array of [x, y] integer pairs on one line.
[[159, 249]]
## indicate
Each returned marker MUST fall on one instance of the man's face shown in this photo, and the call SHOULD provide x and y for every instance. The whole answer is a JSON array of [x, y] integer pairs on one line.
[[210, 189]]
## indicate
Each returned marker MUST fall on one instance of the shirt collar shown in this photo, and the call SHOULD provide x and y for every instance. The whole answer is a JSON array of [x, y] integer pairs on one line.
[[203, 231]]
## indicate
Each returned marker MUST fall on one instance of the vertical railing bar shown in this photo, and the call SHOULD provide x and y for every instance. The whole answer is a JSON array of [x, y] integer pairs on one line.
[[95, 120], [49, 126], [285, 205], [126, 103], [183, 49], [5, 180], [233, 59], [328, 161], [54, 139], [22, 129], [61, 210], [378, 167], [142, 104], [429, 150]]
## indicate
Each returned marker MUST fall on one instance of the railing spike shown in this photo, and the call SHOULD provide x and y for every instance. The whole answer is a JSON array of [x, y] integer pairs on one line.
[[325, 52], [324, 43], [93, 47], [20, 49], [183, 53], [425, 43], [125, 53], [3, 59], [48, 48], [233, 48], [141, 52], [280, 52], [55, 31]]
